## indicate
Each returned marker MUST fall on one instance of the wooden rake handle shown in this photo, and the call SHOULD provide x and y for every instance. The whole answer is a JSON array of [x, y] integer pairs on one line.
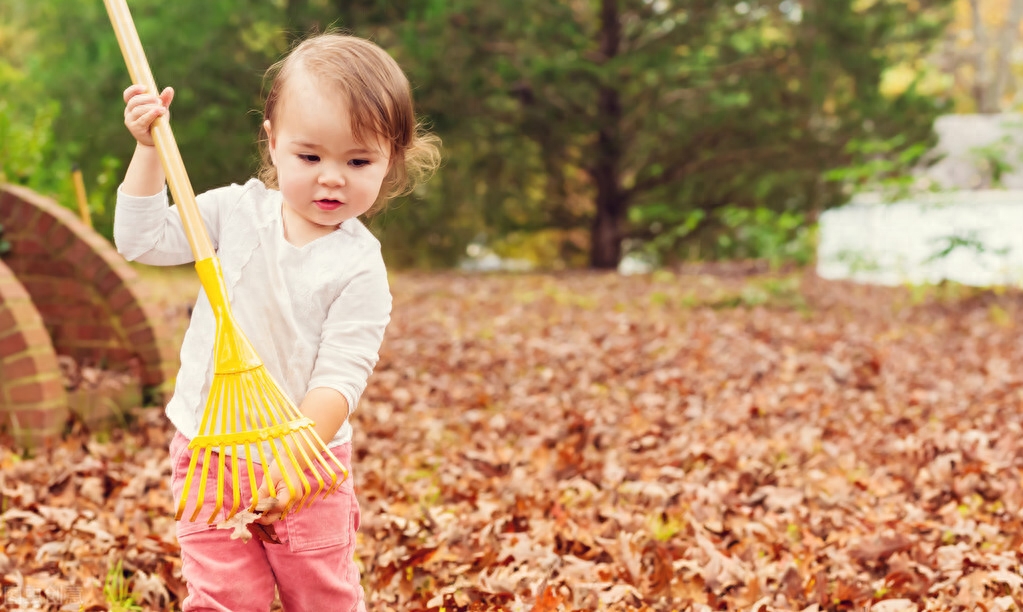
[[163, 137]]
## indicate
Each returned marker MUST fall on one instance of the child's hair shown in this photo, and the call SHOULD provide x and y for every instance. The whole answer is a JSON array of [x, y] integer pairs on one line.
[[378, 97]]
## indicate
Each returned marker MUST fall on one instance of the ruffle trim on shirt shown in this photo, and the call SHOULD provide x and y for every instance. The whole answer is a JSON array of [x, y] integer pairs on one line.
[[264, 204]]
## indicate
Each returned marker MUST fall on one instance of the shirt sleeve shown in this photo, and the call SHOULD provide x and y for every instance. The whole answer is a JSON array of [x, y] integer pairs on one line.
[[150, 232], [353, 332]]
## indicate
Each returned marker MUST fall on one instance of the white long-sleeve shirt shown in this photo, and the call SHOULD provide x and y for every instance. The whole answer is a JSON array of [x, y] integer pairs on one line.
[[314, 314]]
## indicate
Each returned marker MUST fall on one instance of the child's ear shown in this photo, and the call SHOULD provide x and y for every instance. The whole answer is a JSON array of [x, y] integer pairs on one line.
[[271, 141]]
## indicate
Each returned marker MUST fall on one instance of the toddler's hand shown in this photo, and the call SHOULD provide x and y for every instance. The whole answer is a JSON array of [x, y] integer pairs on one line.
[[283, 496], [142, 108]]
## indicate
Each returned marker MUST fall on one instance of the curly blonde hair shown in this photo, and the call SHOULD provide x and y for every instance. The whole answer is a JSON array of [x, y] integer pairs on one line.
[[379, 98]]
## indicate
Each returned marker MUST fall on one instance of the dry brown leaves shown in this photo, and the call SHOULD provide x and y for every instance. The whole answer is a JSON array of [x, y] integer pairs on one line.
[[590, 442], [77, 376]]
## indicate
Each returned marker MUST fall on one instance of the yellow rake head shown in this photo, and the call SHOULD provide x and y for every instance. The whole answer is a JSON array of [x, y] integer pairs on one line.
[[247, 414]]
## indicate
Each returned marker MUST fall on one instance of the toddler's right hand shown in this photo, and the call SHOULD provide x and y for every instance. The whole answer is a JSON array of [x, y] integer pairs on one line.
[[142, 108]]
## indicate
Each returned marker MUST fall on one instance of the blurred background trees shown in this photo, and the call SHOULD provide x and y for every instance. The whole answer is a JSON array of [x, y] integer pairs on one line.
[[978, 52], [574, 130]]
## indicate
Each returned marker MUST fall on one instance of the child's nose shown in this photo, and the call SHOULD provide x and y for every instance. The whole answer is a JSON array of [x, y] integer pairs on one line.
[[332, 177]]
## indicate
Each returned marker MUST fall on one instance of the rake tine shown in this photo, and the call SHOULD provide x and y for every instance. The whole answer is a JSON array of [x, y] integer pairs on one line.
[[263, 425], [233, 411], [252, 479], [203, 428], [321, 455], [236, 493], [275, 394], [326, 456], [253, 486], [284, 476], [221, 459], [306, 487], [309, 496], [202, 481], [188, 484], [235, 419], [270, 485], [319, 464], [267, 393]]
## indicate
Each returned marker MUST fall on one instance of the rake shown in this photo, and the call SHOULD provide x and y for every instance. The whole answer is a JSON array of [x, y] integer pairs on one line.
[[246, 408]]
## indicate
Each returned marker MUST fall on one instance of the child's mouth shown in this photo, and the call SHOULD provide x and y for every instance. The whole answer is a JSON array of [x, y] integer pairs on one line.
[[328, 204]]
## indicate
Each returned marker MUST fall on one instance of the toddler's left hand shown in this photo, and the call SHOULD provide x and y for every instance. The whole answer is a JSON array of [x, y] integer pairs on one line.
[[283, 496]]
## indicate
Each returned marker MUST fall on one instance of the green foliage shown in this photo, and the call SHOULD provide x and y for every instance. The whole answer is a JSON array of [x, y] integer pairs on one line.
[[761, 233], [879, 165], [25, 142], [28, 157], [31, 150], [117, 592], [683, 109], [995, 160], [213, 55], [635, 120], [26, 116], [731, 232], [668, 226]]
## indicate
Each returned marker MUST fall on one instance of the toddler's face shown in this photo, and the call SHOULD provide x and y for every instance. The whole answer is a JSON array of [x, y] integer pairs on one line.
[[325, 175]]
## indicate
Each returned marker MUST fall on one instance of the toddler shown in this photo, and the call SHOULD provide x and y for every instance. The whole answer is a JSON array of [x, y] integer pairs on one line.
[[308, 287]]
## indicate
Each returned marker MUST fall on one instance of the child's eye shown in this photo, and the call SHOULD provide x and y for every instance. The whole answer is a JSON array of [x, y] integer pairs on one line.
[[309, 158], [358, 163]]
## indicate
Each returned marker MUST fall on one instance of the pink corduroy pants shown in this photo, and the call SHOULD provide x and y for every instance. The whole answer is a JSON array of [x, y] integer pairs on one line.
[[312, 568]]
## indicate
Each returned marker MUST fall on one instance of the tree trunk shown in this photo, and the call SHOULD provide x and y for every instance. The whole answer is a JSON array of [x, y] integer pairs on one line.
[[992, 56], [980, 64], [1003, 54], [606, 233]]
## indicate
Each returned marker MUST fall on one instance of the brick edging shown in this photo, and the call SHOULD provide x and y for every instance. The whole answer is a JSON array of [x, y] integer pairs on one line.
[[93, 304], [33, 401]]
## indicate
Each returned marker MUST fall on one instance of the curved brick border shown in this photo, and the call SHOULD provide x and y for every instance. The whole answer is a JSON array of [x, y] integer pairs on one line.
[[32, 397], [91, 301]]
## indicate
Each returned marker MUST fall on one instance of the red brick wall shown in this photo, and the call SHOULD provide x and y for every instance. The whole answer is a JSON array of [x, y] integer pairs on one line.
[[33, 403], [92, 303]]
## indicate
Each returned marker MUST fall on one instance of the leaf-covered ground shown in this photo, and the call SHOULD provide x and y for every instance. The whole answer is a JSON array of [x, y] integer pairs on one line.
[[578, 441]]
